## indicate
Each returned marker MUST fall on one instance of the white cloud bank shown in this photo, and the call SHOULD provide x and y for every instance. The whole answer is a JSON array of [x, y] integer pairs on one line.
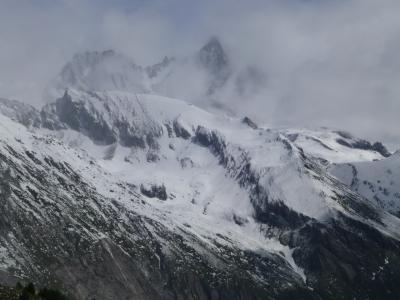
[[333, 63]]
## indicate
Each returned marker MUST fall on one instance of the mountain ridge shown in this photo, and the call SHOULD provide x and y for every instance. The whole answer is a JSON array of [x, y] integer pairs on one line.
[[112, 192]]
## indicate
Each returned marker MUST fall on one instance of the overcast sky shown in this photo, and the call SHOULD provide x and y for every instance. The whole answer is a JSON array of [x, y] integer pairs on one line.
[[328, 62]]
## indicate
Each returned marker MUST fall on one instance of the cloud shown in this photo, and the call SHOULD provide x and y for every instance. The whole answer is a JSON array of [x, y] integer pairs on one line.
[[36, 39], [328, 63], [331, 63]]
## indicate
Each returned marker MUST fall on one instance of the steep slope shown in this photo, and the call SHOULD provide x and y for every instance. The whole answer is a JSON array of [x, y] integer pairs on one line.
[[104, 119], [208, 208], [20, 112], [378, 181], [67, 223]]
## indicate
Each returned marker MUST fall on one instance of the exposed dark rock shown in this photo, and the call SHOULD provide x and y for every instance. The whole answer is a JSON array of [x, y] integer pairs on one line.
[[186, 162], [180, 130], [169, 130], [344, 143], [276, 214], [380, 148], [249, 122], [29, 292], [239, 220], [344, 134], [154, 191], [341, 258], [292, 137], [128, 137], [152, 156], [319, 142], [81, 118], [214, 60], [365, 145], [154, 70], [213, 57], [85, 118], [211, 140]]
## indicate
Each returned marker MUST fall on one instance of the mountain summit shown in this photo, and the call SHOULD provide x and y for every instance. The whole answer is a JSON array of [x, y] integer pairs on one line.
[[201, 77], [95, 70], [213, 57], [214, 60]]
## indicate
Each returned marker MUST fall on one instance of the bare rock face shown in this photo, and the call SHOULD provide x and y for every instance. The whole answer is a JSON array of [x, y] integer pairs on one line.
[[154, 70], [249, 122], [103, 119], [83, 119], [348, 141], [214, 60], [180, 130], [186, 162], [154, 191]]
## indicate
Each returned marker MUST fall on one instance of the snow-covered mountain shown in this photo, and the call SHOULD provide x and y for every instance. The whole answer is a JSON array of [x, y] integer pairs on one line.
[[95, 70], [111, 192], [336, 146], [379, 181], [200, 77]]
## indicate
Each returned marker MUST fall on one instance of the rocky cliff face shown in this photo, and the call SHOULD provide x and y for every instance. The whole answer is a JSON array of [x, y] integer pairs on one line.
[[214, 60], [105, 120]]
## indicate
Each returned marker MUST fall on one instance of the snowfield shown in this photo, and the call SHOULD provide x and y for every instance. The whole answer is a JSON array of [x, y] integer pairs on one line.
[[377, 181]]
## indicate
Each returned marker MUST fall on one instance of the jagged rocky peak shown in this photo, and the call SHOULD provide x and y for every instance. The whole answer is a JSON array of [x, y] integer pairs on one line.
[[153, 70], [213, 59], [110, 70], [98, 70], [212, 56]]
